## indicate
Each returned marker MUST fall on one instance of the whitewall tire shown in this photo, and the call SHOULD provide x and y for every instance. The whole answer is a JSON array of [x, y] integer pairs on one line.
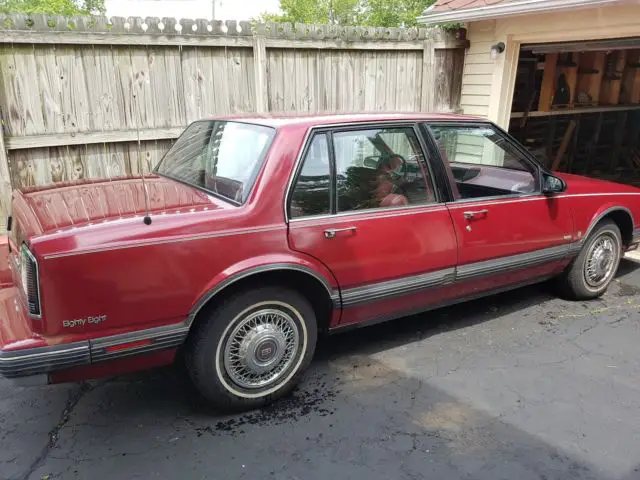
[[253, 348]]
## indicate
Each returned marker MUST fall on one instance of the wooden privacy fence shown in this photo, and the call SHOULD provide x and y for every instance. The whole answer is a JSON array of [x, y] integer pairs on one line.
[[102, 98]]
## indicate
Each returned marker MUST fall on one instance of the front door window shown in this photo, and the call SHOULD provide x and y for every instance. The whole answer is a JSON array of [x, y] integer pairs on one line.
[[483, 162]]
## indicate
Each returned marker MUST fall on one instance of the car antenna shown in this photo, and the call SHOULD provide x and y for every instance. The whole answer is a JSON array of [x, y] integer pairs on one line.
[[147, 218]]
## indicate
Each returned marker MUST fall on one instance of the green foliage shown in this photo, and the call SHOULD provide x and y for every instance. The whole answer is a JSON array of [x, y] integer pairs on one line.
[[402, 13], [372, 13], [316, 11], [68, 8]]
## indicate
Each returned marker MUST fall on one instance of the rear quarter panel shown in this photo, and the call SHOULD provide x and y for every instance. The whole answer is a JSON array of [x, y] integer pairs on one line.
[[150, 284]]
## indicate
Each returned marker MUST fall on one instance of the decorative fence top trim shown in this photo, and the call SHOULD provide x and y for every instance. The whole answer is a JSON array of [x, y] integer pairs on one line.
[[201, 28]]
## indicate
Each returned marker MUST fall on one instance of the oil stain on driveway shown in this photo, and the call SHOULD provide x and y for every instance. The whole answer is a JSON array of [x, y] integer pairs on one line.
[[519, 386]]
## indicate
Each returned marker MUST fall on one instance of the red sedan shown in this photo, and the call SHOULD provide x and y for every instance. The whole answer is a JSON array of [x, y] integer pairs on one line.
[[255, 234]]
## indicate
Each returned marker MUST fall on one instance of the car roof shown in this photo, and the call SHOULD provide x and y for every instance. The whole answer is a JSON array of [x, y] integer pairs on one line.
[[315, 119]]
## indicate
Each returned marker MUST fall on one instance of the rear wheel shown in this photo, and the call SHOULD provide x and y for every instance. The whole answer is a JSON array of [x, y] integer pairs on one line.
[[591, 273], [253, 349]]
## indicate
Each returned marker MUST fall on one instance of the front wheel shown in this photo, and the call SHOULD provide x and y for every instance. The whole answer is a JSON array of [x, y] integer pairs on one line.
[[253, 348], [592, 271]]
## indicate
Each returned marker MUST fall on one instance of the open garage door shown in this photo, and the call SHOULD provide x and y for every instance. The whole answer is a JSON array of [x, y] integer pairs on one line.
[[576, 106]]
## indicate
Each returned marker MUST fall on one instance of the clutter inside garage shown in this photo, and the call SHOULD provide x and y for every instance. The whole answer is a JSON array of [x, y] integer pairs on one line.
[[577, 107]]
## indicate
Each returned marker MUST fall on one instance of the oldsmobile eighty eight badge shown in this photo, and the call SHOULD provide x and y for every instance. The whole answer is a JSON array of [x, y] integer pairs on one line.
[[81, 322]]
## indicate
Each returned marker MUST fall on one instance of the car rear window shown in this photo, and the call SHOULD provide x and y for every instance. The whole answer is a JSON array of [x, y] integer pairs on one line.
[[221, 157]]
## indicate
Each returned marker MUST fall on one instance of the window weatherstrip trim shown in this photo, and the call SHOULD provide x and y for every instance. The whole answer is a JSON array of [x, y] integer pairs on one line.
[[333, 174], [426, 162], [330, 129], [380, 212]]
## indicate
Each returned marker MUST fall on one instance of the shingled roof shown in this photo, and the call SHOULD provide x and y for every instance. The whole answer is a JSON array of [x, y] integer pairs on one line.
[[445, 5], [443, 11]]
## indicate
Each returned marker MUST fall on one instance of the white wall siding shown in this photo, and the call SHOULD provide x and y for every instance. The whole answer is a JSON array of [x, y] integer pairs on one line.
[[478, 69], [487, 85]]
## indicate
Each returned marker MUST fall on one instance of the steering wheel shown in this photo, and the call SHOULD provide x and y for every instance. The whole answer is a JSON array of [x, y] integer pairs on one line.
[[371, 161], [403, 169]]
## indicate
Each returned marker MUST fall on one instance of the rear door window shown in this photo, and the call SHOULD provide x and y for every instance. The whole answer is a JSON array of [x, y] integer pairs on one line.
[[380, 168], [312, 190]]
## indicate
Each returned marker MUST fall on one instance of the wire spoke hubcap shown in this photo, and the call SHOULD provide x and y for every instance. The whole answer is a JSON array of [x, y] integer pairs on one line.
[[261, 348], [601, 260]]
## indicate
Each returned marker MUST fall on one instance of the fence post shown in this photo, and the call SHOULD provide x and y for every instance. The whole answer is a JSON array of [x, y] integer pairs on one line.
[[427, 76], [5, 183], [260, 74], [442, 78]]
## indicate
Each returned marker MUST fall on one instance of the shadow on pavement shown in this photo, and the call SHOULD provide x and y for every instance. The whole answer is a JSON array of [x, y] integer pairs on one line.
[[344, 422], [627, 266], [418, 327]]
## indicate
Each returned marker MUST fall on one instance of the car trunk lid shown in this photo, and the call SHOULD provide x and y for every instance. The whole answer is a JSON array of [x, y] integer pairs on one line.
[[41, 210]]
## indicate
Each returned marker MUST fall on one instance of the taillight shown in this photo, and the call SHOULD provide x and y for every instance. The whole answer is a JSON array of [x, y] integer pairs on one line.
[[30, 285]]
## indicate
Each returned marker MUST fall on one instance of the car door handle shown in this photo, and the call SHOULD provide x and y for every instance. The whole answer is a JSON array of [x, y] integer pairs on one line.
[[332, 232], [473, 214]]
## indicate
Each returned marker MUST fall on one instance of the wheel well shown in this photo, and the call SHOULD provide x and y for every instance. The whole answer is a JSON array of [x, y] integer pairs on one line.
[[624, 222], [305, 284]]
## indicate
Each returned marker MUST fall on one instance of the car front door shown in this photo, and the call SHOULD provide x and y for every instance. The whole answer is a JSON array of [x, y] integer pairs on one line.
[[507, 230], [363, 202]]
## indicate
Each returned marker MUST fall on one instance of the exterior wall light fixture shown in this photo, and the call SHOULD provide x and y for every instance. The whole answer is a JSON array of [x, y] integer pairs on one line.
[[496, 50]]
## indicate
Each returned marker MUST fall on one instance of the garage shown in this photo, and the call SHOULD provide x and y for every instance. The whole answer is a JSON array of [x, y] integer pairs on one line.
[[563, 77], [576, 106]]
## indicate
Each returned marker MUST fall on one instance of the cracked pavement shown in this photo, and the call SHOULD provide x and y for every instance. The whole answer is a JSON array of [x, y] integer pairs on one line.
[[517, 386]]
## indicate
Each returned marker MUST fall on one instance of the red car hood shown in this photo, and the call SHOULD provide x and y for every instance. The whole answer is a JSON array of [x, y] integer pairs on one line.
[[578, 185], [81, 203]]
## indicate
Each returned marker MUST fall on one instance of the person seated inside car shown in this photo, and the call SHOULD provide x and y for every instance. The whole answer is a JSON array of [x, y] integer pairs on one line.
[[387, 191]]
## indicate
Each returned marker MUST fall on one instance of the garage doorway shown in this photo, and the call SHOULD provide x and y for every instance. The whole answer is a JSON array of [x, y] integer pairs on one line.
[[576, 107]]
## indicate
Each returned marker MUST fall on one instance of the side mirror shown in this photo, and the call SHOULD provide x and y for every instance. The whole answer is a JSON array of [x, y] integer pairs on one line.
[[552, 184]]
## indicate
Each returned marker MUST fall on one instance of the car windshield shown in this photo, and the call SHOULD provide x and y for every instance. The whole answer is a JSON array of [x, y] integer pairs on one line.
[[221, 157]]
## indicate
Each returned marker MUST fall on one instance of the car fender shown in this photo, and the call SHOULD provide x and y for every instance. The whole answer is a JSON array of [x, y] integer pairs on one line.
[[261, 264], [602, 212]]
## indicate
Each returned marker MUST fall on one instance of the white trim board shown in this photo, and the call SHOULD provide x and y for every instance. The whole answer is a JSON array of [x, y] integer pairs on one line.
[[500, 10]]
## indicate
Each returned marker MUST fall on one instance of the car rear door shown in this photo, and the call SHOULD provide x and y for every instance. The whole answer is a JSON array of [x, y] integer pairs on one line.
[[507, 230], [390, 252]]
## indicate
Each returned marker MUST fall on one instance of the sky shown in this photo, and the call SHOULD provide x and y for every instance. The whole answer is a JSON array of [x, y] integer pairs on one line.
[[225, 9]]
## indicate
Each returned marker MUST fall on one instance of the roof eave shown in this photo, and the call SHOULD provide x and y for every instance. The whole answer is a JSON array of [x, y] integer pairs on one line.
[[508, 9]]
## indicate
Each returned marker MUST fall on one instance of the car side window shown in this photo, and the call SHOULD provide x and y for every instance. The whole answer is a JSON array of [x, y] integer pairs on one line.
[[483, 162], [380, 168], [312, 192]]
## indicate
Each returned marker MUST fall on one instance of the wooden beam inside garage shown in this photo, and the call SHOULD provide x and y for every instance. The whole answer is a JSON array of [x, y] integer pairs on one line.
[[548, 82]]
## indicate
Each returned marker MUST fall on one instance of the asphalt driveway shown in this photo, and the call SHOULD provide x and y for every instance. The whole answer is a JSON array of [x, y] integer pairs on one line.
[[519, 386]]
